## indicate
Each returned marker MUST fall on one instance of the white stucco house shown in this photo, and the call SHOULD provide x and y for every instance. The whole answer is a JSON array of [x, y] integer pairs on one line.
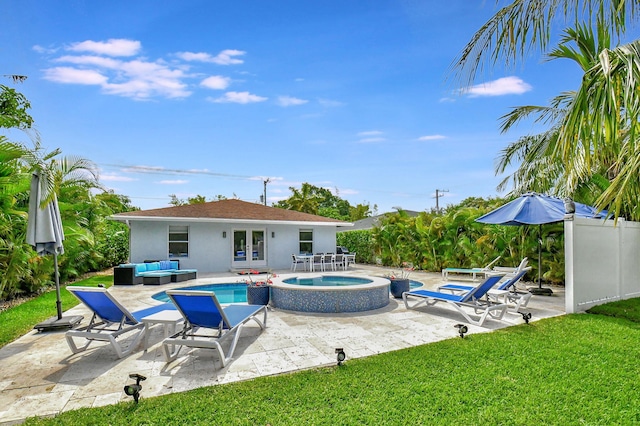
[[226, 235]]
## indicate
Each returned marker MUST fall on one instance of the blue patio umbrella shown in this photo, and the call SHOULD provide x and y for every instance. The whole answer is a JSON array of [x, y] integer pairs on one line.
[[537, 209], [45, 234]]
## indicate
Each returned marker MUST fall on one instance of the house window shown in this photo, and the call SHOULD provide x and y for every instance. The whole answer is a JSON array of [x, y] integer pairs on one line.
[[306, 241], [178, 241]]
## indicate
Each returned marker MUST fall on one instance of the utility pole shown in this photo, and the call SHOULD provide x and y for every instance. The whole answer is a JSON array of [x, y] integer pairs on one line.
[[438, 195], [265, 182]]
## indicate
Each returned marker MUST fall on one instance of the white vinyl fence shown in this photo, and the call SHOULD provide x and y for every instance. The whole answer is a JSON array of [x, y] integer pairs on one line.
[[602, 262]]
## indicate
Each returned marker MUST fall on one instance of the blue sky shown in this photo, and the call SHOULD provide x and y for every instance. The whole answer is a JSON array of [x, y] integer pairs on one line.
[[211, 98]]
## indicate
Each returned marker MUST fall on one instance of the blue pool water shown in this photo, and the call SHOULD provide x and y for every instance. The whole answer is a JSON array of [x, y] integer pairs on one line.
[[415, 284], [226, 292]]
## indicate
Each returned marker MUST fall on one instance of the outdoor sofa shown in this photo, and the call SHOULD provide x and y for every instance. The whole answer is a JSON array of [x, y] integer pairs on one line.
[[152, 272]]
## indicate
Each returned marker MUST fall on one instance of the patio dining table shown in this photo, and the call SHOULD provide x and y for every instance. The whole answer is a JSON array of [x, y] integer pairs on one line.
[[308, 261]]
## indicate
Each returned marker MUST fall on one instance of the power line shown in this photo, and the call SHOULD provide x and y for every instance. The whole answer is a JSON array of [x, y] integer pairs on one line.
[[163, 170]]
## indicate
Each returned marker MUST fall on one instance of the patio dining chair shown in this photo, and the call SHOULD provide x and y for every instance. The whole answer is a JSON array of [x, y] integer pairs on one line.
[[349, 259], [295, 261], [327, 261], [318, 259]]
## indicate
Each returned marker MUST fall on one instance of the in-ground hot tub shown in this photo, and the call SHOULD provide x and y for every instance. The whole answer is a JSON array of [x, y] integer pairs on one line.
[[330, 293]]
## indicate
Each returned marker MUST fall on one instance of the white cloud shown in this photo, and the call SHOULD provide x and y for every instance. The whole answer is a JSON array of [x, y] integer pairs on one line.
[[370, 133], [146, 79], [136, 79], [68, 75], [499, 87], [94, 63], [111, 47], [216, 82], [226, 57], [173, 182], [99, 61], [42, 49], [431, 137], [286, 101], [239, 98], [116, 178], [371, 140]]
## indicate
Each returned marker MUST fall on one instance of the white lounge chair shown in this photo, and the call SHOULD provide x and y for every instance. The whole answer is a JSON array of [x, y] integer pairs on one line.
[[475, 299], [110, 320], [504, 291], [474, 272], [510, 269], [202, 310]]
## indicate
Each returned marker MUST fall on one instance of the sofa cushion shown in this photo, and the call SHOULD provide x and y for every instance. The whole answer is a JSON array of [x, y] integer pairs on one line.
[[165, 264], [141, 267], [153, 266], [174, 264]]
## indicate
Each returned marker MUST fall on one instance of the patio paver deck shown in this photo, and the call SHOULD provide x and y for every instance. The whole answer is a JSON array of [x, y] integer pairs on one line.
[[40, 376]]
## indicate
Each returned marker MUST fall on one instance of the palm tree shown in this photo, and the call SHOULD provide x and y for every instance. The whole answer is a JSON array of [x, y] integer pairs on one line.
[[573, 156], [305, 199], [524, 26], [592, 131]]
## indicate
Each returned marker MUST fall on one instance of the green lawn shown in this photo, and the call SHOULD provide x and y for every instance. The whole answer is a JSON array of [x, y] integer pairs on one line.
[[20, 319], [574, 369]]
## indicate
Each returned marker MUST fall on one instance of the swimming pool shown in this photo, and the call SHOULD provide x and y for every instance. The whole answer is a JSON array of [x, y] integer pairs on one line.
[[237, 292], [330, 293], [225, 292]]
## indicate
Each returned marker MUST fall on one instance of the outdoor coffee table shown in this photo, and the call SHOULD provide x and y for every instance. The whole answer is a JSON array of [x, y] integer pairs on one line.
[[169, 318], [156, 278]]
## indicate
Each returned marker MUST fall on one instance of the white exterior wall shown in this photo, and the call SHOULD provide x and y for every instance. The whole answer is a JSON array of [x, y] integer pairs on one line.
[[602, 262], [209, 251]]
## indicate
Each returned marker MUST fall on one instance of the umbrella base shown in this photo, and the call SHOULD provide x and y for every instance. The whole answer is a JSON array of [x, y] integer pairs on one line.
[[54, 323], [540, 291]]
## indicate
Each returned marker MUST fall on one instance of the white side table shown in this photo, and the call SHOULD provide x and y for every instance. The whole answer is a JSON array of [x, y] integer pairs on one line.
[[169, 318]]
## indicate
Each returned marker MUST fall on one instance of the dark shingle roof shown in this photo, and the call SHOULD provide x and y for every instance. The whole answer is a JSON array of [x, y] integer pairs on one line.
[[227, 209]]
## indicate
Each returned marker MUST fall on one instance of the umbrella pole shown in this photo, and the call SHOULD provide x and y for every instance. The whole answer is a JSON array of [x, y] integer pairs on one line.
[[59, 322], [539, 290], [57, 279], [539, 256]]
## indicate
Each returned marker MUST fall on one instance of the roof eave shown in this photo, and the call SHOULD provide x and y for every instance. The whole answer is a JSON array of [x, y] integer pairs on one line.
[[224, 220]]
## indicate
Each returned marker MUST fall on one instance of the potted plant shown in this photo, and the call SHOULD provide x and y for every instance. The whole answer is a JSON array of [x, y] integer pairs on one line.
[[258, 290], [400, 280]]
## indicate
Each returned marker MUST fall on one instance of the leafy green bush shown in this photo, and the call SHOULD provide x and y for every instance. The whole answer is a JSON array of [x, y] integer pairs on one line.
[[113, 244], [454, 239], [358, 241]]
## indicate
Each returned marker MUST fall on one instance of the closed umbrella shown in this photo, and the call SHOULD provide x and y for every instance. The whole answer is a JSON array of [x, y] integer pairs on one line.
[[45, 234], [537, 209]]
